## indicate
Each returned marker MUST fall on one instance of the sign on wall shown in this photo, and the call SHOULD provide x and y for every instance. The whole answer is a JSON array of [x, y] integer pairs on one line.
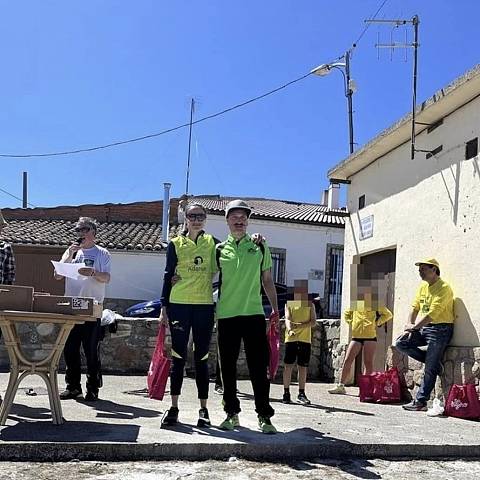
[[366, 227]]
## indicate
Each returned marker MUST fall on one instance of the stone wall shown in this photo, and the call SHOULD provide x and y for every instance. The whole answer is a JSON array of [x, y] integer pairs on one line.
[[461, 365], [129, 350]]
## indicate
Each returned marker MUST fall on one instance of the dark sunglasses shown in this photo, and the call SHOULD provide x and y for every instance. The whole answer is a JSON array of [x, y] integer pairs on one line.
[[196, 216], [82, 229]]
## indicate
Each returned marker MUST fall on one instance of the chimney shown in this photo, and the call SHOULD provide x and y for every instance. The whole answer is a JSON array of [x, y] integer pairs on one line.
[[324, 200], [25, 191], [166, 211], [333, 195]]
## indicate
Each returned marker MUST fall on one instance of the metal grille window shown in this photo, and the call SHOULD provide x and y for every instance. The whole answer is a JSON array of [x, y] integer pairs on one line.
[[278, 264], [335, 281]]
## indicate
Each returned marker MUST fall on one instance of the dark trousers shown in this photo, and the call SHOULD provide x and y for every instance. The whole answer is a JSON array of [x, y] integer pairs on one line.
[[436, 337], [87, 335], [182, 319], [252, 330]]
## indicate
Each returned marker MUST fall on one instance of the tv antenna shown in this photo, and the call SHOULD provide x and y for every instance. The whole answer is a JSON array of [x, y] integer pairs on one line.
[[415, 21]]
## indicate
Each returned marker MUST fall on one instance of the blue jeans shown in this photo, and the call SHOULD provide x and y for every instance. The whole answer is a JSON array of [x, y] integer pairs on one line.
[[436, 337]]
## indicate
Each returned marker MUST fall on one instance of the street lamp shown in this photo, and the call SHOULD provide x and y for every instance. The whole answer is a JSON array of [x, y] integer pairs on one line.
[[350, 87]]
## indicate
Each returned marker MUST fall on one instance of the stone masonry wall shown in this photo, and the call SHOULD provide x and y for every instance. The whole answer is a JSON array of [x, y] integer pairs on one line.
[[129, 350]]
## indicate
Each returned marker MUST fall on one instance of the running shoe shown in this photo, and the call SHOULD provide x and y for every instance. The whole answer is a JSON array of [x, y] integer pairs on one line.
[[302, 398], [171, 417], [338, 389], [230, 422], [265, 425], [415, 406], [69, 394], [203, 418], [286, 398]]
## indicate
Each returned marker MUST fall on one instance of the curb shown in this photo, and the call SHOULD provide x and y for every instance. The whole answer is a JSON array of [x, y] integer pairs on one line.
[[128, 452]]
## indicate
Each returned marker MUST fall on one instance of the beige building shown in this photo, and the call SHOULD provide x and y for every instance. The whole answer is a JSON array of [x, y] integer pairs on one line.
[[403, 210]]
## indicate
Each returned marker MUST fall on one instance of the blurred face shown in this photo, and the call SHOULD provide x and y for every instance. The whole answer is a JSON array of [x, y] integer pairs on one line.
[[237, 222], [85, 232], [195, 219], [427, 272], [300, 290]]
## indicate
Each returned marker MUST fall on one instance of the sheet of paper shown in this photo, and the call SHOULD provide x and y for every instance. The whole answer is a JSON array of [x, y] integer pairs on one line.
[[69, 270]]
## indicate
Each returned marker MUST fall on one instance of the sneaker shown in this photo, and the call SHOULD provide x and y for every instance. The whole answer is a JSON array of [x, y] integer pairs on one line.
[[218, 389], [415, 406], [338, 389], [230, 422], [203, 418], [437, 409], [91, 396], [286, 398], [302, 398], [170, 417], [68, 394], [265, 425]]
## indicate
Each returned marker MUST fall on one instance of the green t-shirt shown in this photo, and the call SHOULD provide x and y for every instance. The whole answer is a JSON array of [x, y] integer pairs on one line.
[[196, 266], [241, 267]]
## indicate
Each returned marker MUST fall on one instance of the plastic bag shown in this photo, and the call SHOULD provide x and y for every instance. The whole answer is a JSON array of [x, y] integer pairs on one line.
[[463, 402], [273, 337], [159, 369]]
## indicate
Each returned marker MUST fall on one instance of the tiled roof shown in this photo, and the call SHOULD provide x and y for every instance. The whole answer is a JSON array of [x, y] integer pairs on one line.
[[279, 210], [112, 235]]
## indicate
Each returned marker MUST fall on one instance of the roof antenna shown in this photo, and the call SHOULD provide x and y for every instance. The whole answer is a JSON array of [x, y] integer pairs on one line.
[[192, 110]]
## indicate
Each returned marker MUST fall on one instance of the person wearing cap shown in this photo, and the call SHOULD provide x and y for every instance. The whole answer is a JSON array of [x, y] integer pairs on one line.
[[431, 325], [7, 259], [94, 278], [244, 267]]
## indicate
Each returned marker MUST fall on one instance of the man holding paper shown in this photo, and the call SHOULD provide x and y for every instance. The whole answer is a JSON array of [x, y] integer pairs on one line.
[[90, 281]]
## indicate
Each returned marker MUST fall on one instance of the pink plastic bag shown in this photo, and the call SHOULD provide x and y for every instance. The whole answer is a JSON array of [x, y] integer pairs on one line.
[[463, 402], [365, 383], [273, 337], [386, 386], [159, 370]]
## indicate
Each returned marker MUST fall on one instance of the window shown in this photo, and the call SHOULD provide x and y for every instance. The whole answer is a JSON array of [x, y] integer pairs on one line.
[[435, 125], [279, 256], [361, 202], [471, 149], [434, 151]]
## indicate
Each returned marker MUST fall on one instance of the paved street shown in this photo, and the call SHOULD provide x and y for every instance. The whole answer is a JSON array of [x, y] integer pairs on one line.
[[243, 470]]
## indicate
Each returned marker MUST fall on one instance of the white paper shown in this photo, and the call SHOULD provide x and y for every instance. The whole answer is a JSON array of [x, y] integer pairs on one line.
[[69, 270]]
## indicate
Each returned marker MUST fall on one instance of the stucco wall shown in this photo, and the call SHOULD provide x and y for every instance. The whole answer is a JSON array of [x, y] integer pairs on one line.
[[425, 208], [305, 245]]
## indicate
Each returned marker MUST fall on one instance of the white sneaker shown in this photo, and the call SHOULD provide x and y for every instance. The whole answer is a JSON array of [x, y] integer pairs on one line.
[[437, 408], [338, 389]]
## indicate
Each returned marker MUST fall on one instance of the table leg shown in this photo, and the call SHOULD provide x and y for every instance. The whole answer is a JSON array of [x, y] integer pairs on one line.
[[9, 395]]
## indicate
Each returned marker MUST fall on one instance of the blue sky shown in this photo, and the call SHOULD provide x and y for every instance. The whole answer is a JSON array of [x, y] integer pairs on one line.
[[80, 74]]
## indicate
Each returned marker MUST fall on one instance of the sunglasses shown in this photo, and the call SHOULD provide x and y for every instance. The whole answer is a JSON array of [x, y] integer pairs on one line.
[[196, 216], [82, 229]]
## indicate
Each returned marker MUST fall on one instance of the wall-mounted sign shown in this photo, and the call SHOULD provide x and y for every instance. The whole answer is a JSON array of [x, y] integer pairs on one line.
[[366, 227], [314, 274]]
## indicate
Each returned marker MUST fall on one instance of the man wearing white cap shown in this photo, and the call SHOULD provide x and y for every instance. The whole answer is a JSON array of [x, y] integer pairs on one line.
[[7, 260], [431, 325]]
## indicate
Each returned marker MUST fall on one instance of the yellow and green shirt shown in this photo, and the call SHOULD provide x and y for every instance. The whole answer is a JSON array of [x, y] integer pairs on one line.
[[241, 266], [299, 312], [436, 301], [365, 321]]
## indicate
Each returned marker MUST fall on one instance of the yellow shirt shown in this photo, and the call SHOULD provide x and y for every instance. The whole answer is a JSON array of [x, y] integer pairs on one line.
[[436, 301], [364, 321], [299, 313]]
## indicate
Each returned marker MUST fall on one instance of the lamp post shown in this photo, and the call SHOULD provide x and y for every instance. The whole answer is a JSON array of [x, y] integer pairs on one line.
[[349, 84]]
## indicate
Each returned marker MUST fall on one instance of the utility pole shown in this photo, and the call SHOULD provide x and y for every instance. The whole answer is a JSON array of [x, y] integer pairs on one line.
[[192, 109], [349, 93]]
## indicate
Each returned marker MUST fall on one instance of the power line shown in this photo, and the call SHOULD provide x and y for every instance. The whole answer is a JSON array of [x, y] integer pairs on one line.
[[368, 24], [14, 196], [158, 134]]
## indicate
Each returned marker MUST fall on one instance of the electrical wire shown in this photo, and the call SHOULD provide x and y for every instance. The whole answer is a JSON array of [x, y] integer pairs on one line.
[[14, 196], [158, 134], [368, 24]]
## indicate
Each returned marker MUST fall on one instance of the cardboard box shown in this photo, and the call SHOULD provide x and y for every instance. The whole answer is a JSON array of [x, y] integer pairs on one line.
[[65, 305], [16, 297]]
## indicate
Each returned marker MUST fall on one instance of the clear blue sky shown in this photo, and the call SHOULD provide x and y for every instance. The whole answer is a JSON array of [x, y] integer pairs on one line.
[[79, 74]]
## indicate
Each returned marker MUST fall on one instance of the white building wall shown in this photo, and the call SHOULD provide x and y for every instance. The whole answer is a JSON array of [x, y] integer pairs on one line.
[[305, 245], [425, 208], [136, 275]]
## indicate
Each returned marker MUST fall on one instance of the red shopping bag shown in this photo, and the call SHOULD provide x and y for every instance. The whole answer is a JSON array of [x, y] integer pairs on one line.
[[365, 383], [386, 386], [273, 337], [159, 368], [463, 402]]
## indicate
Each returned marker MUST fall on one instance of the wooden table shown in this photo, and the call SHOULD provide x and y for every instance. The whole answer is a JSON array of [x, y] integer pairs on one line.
[[47, 368]]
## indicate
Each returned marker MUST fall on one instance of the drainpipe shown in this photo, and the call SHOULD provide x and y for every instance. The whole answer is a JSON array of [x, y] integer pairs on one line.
[[166, 211]]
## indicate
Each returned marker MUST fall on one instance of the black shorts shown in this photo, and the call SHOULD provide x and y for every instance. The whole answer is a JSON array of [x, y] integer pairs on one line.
[[363, 340], [299, 352]]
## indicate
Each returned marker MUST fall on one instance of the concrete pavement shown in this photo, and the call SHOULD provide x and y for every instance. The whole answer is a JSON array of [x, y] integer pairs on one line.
[[124, 424]]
